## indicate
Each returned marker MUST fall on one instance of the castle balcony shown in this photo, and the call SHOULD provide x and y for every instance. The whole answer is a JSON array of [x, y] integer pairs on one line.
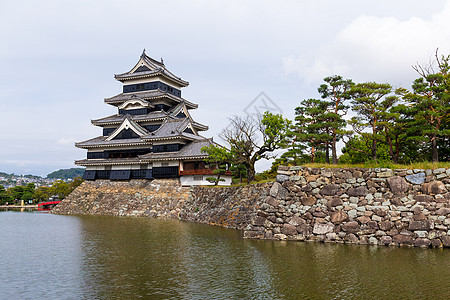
[[201, 172]]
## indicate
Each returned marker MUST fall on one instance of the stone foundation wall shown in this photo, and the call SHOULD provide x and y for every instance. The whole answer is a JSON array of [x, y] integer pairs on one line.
[[352, 205], [360, 206], [232, 207], [157, 198]]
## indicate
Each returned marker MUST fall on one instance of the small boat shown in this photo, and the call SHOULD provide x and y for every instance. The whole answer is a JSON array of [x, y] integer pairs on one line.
[[47, 205]]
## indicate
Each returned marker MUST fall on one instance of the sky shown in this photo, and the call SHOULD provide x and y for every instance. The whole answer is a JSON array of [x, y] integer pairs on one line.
[[58, 60]]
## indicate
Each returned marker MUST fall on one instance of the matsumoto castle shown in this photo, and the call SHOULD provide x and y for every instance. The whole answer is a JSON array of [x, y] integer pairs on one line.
[[152, 135]]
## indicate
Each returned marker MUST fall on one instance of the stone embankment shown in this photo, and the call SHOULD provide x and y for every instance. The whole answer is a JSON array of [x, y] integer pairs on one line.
[[157, 198], [359, 206], [352, 205]]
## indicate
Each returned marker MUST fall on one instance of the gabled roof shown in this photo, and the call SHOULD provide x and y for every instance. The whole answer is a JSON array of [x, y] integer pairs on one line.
[[148, 95], [128, 123], [182, 108], [169, 128], [148, 67]]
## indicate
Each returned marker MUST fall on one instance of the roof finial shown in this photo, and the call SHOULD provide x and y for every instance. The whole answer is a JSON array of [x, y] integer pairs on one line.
[[143, 52], [162, 61]]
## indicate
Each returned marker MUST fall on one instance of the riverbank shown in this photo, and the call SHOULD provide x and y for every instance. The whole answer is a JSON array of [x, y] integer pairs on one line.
[[18, 206], [352, 205]]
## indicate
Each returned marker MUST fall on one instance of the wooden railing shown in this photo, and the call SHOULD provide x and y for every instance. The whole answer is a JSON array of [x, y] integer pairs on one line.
[[201, 172]]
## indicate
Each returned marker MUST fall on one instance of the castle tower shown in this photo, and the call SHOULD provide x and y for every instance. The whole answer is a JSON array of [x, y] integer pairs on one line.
[[152, 135]]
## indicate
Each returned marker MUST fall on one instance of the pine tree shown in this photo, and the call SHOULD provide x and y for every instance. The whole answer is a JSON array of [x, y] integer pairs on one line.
[[312, 126], [336, 91], [370, 101], [430, 102]]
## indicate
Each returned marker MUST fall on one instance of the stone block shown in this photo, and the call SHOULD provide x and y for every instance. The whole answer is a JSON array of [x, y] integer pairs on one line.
[[278, 191], [351, 227], [330, 189], [386, 225], [423, 198], [418, 178], [288, 229], [352, 214], [308, 201], [441, 176], [363, 219], [439, 171], [403, 239], [434, 187], [422, 242], [338, 217], [385, 174], [421, 225], [282, 178], [323, 228], [280, 236], [385, 240], [446, 241], [253, 234], [295, 220], [397, 184], [359, 191], [334, 202], [443, 211]]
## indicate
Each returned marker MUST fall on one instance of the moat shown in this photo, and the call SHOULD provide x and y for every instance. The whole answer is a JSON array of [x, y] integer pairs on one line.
[[103, 257]]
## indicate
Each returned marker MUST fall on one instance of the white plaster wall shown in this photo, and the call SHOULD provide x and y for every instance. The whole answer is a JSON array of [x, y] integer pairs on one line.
[[187, 180], [171, 163], [95, 168]]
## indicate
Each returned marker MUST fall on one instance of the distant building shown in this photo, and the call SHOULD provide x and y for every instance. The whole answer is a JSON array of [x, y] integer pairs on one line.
[[153, 135]]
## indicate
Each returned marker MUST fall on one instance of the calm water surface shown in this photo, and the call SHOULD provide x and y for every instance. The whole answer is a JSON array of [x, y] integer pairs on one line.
[[46, 256]]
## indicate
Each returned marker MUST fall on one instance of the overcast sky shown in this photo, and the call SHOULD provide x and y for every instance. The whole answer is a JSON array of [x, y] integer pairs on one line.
[[58, 59]]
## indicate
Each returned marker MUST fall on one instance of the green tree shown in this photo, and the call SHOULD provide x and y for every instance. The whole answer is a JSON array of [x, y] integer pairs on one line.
[[16, 192], [336, 91], [60, 189], [4, 196], [370, 101], [295, 148], [251, 140], [221, 158], [312, 125], [430, 102], [42, 193], [352, 156]]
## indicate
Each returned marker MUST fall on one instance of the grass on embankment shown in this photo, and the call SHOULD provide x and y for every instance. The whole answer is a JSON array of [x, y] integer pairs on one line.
[[389, 165]]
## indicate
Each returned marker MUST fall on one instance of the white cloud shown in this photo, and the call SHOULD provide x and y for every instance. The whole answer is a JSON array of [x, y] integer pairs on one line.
[[376, 49]]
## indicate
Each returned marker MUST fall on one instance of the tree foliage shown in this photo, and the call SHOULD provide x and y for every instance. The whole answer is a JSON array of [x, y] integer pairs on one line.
[[220, 157], [253, 139]]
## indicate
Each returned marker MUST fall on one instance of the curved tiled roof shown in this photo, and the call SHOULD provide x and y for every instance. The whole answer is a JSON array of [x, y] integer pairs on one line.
[[148, 95], [117, 119], [152, 68]]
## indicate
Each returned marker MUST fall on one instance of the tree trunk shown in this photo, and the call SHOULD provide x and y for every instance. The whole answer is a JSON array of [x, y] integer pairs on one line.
[[327, 153], [313, 153], [250, 173], [435, 150], [391, 150], [333, 151], [374, 150]]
